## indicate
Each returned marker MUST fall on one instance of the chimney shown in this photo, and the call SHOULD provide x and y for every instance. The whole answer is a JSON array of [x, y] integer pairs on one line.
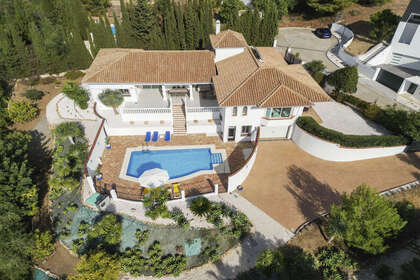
[[217, 27]]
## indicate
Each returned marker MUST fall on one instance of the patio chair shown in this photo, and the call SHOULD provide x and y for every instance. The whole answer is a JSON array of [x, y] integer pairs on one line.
[[175, 190], [155, 136], [167, 136], [148, 134]]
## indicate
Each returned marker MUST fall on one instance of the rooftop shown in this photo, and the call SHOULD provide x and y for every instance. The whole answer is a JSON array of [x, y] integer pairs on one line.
[[228, 39], [140, 66]]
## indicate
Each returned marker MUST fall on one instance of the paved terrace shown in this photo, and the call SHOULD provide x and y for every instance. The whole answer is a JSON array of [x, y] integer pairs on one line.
[[112, 161], [292, 186]]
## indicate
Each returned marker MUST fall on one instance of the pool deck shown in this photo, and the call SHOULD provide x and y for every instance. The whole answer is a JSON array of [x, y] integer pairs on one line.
[[112, 162]]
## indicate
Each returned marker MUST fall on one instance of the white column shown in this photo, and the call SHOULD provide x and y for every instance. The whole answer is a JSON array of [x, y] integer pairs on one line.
[[217, 26], [275, 43], [375, 76], [113, 194], [401, 89], [190, 88], [216, 189], [165, 96], [182, 194]]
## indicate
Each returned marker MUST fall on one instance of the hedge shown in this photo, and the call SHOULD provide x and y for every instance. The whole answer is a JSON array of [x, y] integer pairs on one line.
[[360, 141]]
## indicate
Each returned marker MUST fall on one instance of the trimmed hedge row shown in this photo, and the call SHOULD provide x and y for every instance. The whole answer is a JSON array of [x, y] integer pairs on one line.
[[360, 141]]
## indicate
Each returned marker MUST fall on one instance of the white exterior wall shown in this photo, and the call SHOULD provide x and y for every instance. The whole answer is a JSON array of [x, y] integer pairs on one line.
[[138, 130], [334, 152], [223, 53], [96, 154], [253, 118], [136, 117], [239, 177], [405, 49], [96, 89], [384, 57]]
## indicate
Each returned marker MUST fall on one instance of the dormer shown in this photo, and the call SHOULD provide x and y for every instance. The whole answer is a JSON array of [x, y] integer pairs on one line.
[[227, 43]]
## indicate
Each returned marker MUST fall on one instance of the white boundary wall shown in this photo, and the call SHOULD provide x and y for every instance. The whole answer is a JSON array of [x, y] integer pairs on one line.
[[239, 177], [333, 152], [96, 154]]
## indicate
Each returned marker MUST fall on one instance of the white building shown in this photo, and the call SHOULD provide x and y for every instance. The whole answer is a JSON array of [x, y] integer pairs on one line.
[[228, 91], [398, 65]]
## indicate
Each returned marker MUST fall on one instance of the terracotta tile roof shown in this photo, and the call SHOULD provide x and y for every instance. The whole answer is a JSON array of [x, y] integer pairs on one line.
[[243, 80], [139, 66], [228, 39]]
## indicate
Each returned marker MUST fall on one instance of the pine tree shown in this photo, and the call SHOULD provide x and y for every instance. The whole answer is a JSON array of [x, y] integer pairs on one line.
[[143, 24], [80, 19]]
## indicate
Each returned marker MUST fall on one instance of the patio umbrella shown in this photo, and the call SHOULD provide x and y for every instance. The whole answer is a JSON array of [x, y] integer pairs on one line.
[[153, 178]]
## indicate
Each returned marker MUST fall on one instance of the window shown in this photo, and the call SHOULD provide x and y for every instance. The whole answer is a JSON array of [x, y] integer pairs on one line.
[[278, 113], [412, 89], [235, 111], [125, 92], [244, 111], [246, 130]]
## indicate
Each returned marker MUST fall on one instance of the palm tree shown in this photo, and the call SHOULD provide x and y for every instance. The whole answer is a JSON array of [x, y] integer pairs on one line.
[[111, 98]]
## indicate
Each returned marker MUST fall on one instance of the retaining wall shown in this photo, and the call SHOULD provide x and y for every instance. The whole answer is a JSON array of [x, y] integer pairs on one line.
[[334, 152]]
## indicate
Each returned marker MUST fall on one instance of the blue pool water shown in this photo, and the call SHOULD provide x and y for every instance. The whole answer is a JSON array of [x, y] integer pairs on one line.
[[178, 163]]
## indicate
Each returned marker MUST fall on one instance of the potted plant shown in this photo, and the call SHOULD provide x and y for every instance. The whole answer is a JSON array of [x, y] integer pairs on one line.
[[98, 174], [108, 145]]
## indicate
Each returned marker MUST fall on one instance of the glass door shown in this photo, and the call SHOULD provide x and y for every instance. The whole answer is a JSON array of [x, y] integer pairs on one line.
[[231, 133]]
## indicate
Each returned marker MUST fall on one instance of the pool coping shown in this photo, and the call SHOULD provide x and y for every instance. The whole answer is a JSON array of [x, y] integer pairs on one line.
[[217, 168]]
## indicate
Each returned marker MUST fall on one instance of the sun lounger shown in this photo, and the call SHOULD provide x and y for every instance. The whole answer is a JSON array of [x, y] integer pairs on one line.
[[155, 136], [148, 134], [167, 136], [175, 190]]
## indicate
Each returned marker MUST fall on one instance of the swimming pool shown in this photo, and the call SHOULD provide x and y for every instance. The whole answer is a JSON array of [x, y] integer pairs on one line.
[[178, 163]]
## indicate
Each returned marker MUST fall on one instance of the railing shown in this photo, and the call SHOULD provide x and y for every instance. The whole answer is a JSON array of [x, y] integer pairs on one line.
[[203, 109], [146, 110]]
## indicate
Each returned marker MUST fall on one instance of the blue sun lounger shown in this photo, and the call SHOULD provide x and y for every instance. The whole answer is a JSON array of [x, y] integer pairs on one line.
[[148, 134], [155, 136], [167, 136]]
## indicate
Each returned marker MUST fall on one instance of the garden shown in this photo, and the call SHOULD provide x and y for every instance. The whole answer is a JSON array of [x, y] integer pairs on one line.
[[137, 248]]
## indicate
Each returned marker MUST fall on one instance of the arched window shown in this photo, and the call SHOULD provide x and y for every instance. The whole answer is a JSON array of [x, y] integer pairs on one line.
[[235, 111]]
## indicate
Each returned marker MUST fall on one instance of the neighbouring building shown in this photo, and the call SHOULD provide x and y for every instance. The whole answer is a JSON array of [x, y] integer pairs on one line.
[[229, 91], [398, 64]]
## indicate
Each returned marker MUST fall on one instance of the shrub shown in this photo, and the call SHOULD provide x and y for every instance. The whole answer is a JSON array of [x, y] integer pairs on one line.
[[79, 95], [333, 263], [77, 245], [83, 228], [31, 81], [345, 79], [384, 272], [372, 111], [365, 220], [97, 265], [33, 94], [65, 233], [108, 229], [142, 237], [319, 77], [43, 245], [200, 206], [73, 75], [210, 254], [312, 127], [48, 80], [315, 66], [406, 210], [410, 270], [21, 112]]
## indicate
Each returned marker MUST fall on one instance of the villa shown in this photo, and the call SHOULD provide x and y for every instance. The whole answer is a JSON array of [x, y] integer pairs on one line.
[[228, 91]]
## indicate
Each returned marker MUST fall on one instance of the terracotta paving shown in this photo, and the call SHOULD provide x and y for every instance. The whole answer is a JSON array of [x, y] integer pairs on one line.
[[292, 186], [112, 162]]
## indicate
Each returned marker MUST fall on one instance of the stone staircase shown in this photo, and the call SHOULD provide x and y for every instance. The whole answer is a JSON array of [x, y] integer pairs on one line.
[[178, 115]]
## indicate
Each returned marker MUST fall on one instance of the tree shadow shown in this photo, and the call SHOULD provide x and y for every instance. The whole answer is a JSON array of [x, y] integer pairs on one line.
[[40, 159], [412, 159], [244, 258], [313, 196], [361, 30]]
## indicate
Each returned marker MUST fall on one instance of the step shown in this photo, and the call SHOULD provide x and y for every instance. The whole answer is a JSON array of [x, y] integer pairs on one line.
[[216, 158]]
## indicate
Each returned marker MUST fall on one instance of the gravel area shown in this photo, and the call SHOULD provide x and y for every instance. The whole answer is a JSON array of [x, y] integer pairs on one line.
[[346, 120]]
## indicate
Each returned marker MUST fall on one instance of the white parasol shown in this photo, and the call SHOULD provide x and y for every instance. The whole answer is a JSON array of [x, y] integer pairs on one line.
[[153, 178]]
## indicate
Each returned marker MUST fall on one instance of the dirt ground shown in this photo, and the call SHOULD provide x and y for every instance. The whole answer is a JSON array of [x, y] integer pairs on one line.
[[292, 186], [50, 91], [356, 17], [61, 262]]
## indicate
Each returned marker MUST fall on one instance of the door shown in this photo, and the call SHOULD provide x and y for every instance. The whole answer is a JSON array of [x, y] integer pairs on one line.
[[231, 133]]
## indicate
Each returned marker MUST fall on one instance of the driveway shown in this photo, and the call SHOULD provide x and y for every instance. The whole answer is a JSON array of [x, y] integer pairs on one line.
[[292, 186], [310, 47], [346, 120]]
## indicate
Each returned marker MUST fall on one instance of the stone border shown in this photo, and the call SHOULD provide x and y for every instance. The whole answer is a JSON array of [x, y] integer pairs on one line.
[[213, 150]]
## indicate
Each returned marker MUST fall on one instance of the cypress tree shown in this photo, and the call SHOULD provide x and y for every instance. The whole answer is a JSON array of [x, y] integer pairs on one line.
[[189, 27], [269, 24], [79, 57], [80, 19], [180, 26], [110, 39], [124, 34], [170, 29], [143, 24]]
